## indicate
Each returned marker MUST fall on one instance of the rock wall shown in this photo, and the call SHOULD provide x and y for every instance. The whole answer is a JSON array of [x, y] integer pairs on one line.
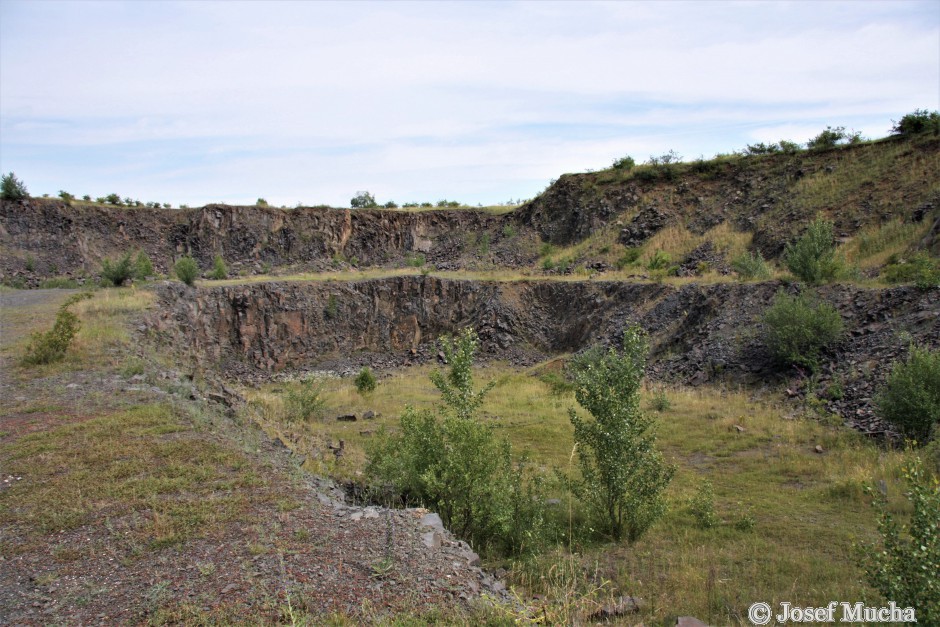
[[698, 333], [52, 237]]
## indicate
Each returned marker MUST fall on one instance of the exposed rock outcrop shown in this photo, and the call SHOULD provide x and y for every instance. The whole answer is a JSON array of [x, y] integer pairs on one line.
[[699, 333]]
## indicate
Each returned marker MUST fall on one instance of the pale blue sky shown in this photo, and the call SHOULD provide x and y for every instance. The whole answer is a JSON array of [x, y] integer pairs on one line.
[[198, 102]]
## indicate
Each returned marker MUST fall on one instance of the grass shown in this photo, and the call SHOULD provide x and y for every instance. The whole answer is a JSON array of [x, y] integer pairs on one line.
[[103, 328], [891, 168], [802, 511], [874, 245], [145, 461]]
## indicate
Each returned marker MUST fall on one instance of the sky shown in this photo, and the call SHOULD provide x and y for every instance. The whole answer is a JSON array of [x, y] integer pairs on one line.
[[480, 102]]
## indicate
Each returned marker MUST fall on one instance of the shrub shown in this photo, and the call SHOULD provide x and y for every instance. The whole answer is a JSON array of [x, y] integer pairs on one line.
[[118, 272], [483, 243], [306, 401], [623, 475], [186, 270], [798, 329], [829, 138], [261, 202], [332, 308], [920, 121], [762, 149], [365, 381], [813, 257], [751, 266], [58, 283], [660, 401], [788, 147], [112, 199], [904, 567], [11, 188], [702, 506], [509, 231], [143, 267], [624, 163], [658, 260], [910, 397], [629, 257], [51, 346], [363, 200], [920, 269], [416, 260], [454, 463], [219, 271], [64, 195], [391, 205]]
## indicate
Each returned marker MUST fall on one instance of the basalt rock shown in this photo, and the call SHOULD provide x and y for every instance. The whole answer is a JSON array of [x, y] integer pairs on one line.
[[698, 333]]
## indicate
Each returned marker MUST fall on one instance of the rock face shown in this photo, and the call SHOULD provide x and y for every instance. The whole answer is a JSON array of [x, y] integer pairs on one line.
[[64, 239], [698, 333], [772, 197]]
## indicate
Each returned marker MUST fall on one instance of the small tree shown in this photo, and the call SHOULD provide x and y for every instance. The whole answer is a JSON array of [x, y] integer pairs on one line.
[[813, 257], [453, 463], [186, 270], [219, 271], [363, 200], [365, 381], [910, 398], [798, 328], [623, 475], [904, 568], [261, 202], [11, 188], [64, 195]]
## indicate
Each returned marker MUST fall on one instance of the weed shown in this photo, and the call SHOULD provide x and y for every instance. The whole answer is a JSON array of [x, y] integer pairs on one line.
[[306, 399], [702, 506]]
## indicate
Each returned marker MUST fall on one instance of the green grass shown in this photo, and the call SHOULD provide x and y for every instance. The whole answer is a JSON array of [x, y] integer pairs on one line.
[[146, 460], [807, 508]]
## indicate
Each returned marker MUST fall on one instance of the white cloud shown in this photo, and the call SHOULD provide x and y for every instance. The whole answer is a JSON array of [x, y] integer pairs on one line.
[[473, 92]]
